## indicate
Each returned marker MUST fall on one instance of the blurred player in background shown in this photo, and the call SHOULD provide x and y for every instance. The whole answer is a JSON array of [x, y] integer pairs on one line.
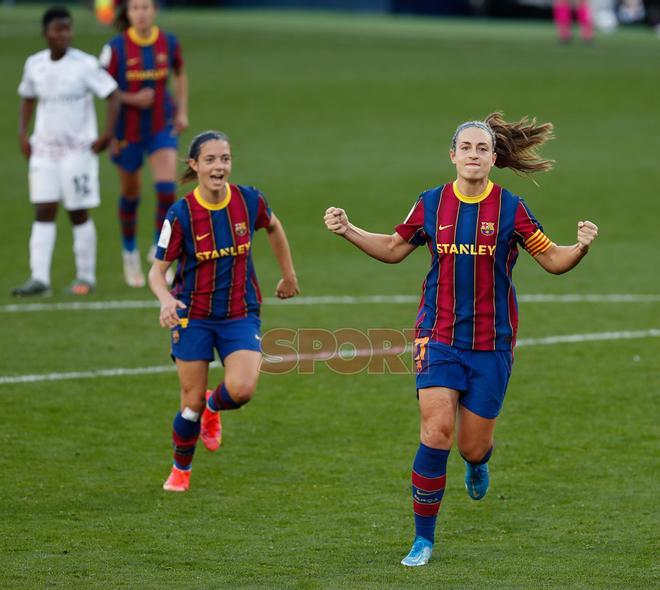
[[141, 59], [215, 302], [468, 316], [563, 16], [60, 82]]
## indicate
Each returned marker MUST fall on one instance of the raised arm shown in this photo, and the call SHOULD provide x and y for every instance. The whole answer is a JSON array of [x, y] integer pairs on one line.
[[386, 248], [288, 285], [560, 259]]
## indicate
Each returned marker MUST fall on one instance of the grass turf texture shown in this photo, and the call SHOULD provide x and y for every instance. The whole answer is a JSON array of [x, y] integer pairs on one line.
[[311, 489]]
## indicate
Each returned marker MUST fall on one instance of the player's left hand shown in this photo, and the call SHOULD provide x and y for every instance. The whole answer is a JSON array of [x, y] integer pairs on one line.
[[180, 122], [101, 143], [586, 234], [287, 288]]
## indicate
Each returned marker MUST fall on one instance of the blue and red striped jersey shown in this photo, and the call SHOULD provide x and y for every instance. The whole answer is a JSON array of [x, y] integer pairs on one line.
[[137, 63], [215, 277], [468, 297]]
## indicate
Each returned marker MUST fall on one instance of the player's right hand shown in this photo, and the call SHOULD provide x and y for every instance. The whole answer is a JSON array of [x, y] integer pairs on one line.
[[143, 98], [168, 316], [26, 148], [336, 220]]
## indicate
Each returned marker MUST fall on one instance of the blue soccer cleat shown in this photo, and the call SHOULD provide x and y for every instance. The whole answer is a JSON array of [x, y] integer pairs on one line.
[[420, 553], [476, 480]]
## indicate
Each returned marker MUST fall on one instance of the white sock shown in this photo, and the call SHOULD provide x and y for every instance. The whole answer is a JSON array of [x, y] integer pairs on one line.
[[84, 251], [42, 244]]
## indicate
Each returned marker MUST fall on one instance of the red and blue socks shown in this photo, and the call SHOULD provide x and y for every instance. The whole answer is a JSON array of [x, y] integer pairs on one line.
[[428, 486], [128, 221], [165, 197], [220, 400], [185, 432]]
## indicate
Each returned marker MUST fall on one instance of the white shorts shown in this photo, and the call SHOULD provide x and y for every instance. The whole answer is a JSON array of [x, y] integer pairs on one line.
[[72, 178]]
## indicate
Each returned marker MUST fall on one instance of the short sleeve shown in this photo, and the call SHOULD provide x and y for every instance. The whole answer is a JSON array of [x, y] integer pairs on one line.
[[99, 81], [27, 89], [412, 228], [263, 213], [529, 231], [170, 241], [108, 60]]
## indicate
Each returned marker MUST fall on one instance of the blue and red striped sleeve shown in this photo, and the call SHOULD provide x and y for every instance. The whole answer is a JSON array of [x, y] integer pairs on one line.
[[263, 213], [412, 228], [529, 231], [170, 242]]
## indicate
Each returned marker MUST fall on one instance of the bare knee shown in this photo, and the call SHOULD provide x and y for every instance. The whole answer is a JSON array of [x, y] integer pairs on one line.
[[241, 390], [130, 185], [45, 212], [79, 216], [193, 398], [474, 451], [437, 434]]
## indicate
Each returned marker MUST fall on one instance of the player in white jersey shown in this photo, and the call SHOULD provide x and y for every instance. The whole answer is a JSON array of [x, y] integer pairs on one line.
[[62, 152]]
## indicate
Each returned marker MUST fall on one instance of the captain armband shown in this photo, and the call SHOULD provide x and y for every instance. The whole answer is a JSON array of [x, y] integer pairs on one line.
[[538, 243]]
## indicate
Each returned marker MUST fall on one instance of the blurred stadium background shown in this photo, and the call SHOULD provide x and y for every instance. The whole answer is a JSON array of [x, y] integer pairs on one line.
[[311, 488]]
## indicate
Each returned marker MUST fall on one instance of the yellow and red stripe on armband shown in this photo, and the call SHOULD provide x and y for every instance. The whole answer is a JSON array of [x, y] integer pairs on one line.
[[537, 243]]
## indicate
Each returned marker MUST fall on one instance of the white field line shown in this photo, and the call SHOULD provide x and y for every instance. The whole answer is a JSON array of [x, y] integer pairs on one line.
[[324, 300], [121, 372]]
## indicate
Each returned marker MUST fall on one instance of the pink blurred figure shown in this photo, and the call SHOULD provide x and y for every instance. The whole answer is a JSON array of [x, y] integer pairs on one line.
[[563, 15]]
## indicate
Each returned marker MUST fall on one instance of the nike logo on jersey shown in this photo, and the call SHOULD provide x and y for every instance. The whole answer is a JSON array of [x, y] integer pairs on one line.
[[132, 61], [441, 227], [198, 238]]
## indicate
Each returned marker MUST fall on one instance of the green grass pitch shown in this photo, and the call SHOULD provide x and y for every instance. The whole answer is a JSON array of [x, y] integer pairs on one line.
[[311, 488]]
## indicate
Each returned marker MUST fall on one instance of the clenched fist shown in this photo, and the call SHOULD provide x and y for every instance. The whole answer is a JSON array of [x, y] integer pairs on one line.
[[336, 220], [586, 234]]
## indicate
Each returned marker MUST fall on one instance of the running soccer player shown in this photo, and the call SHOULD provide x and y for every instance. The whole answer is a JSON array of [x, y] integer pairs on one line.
[[141, 59], [62, 152], [215, 301], [468, 316]]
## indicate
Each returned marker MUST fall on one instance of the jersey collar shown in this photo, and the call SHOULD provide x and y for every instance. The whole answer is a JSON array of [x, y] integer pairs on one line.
[[150, 40], [465, 199], [213, 206]]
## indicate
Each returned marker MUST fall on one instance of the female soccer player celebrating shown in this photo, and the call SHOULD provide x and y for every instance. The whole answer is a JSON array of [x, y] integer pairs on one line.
[[467, 320], [141, 60], [215, 301]]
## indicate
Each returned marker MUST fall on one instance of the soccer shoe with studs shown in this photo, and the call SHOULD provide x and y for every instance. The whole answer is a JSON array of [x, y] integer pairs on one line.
[[178, 481], [211, 433], [32, 287], [476, 480], [420, 553], [133, 274]]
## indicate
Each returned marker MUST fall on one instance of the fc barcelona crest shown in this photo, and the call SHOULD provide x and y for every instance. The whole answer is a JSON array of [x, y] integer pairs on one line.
[[487, 228], [240, 228], [161, 58], [175, 336]]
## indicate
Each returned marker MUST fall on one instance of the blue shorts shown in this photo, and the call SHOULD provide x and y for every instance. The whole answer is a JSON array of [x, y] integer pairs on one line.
[[481, 376], [197, 340], [130, 156]]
